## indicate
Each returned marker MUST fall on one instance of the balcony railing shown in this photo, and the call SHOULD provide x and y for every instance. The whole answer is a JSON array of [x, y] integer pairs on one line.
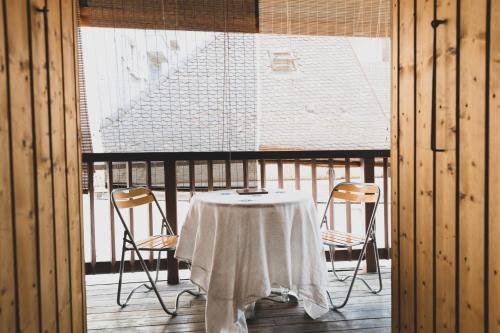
[[175, 177]]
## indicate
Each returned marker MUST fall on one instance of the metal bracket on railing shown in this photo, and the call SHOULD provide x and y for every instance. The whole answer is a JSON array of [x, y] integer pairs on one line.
[[435, 23]]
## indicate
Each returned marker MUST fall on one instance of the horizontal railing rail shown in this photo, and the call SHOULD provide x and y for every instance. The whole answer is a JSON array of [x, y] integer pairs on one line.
[[178, 175], [235, 155]]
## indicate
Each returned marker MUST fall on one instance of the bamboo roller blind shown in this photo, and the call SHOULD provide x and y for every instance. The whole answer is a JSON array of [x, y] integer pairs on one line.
[[206, 15], [364, 18]]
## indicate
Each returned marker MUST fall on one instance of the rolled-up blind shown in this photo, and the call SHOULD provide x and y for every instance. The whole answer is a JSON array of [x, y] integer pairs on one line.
[[363, 18], [197, 15]]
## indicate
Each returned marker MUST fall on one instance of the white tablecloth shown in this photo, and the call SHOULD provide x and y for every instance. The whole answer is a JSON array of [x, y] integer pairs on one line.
[[241, 246]]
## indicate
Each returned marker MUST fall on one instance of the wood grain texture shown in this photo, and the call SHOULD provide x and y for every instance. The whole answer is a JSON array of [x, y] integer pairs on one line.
[[73, 153], [456, 281], [170, 174], [445, 187], [494, 170], [78, 90], [230, 15], [23, 173], [7, 274], [406, 165], [472, 164], [366, 18], [368, 167], [41, 112], [365, 312], [394, 163], [424, 282], [38, 183], [59, 164]]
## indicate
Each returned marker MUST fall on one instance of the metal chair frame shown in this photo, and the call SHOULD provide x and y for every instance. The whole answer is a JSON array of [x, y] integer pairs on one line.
[[129, 244], [370, 236]]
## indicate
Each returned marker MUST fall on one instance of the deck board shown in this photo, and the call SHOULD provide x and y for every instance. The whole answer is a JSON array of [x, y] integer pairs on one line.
[[365, 312]]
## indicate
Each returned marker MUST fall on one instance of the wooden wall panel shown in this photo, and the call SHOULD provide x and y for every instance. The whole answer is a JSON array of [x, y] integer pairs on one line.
[[23, 165], [424, 281], [395, 165], [494, 170], [40, 225], [455, 247], [48, 291], [7, 273], [72, 161], [58, 134], [445, 170], [406, 164], [472, 164]]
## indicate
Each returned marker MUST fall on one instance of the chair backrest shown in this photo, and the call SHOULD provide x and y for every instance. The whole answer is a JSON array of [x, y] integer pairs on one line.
[[356, 193], [132, 197]]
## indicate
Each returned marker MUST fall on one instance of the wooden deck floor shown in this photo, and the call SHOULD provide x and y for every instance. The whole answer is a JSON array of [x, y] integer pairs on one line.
[[365, 312]]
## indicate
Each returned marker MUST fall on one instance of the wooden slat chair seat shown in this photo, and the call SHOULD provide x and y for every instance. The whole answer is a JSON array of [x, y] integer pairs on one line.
[[158, 243], [341, 239], [362, 193], [129, 198]]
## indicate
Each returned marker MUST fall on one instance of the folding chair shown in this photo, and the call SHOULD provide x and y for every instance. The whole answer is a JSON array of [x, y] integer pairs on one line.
[[354, 193], [166, 241]]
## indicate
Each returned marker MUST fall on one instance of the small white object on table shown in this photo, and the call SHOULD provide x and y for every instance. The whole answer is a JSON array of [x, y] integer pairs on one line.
[[241, 246]]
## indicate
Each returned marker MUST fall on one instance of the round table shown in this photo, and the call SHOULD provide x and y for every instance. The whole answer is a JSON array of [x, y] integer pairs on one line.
[[242, 246]]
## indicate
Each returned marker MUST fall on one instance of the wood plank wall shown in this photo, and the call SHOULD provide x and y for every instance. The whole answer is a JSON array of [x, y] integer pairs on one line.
[[446, 204], [41, 279]]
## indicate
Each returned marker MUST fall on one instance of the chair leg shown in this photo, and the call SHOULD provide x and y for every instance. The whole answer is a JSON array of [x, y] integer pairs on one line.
[[121, 276], [361, 255], [153, 285], [370, 288], [186, 291], [196, 293], [336, 307], [157, 270], [332, 261], [377, 261], [151, 281]]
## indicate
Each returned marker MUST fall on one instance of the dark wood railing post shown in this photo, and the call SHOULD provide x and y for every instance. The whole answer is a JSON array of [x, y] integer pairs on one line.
[[92, 213], [228, 174], [150, 208], [369, 177], [171, 210], [386, 208], [314, 184], [297, 174], [280, 174], [112, 217], [131, 214], [210, 175], [331, 184], [262, 174], [348, 212], [245, 173], [192, 178]]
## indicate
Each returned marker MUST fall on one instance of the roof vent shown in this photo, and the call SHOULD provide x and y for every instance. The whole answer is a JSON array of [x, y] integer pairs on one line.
[[283, 62]]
